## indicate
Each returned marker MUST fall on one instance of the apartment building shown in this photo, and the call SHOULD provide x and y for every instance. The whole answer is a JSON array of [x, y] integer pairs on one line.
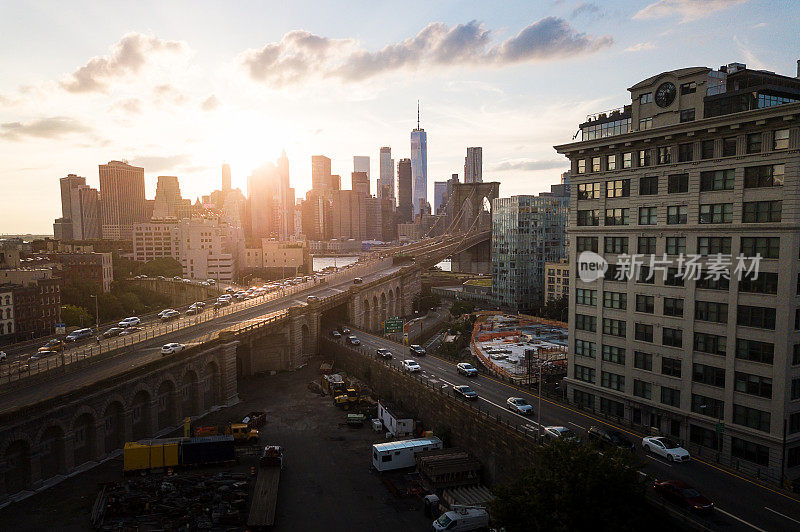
[[7, 328], [701, 163], [153, 240], [556, 281]]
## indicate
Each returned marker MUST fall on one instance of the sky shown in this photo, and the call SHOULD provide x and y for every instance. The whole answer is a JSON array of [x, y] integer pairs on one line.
[[180, 87]]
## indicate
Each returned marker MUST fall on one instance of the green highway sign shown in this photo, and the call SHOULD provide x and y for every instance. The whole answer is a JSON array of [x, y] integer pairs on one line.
[[393, 325]]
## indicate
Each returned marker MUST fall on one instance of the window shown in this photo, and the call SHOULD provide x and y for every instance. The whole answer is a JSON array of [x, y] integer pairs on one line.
[[648, 186], [581, 166], [615, 300], [703, 436], [673, 307], [685, 152], [794, 423], [589, 191], [710, 343], [617, 216], [627, 160], [582, 373], [764, 283], [611, 162], [647, 245], [672, 337], [583, 399], [755, 351], [586, 243], [642, 389], [616, 244], [614, 327], [612, 408], [713, 245], [752, 452], [729, 147], [642, 360], [595, 164], [648, 215], [588, 217], [752, 384], [687, 115], [614, 354], [795, 390], [761, 317], [711, 311], [645, 123], [612, 380], [754, 143], [688, 88], [708, 406], [766, 246], [585, 349], [672, 278], [780, 139], [586, 297], [645, 275], [770, 175], [613, 273], [644, 157], [750, 417], [646, 97], [586, 323], [645, 304], [761, 211], [707, 149], [619, 188], [643, 332], [664, 155], [716, 180], [678, 183], [676, 245], [677, 214], [795, 355], [671, 367], [715, 213], [710, 375], [670, 396]]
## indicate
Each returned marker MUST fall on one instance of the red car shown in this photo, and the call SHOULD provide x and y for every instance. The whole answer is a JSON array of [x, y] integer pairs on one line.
[[683, 494]]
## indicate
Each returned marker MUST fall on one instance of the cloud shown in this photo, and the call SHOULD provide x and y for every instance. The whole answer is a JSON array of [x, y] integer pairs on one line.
[[157, 163], [689, 10], [639, 47], [300, 55], [131, 105], [586, 8], [210, 104], [529, 165], [169, 94], [127, 56], [45, 128]]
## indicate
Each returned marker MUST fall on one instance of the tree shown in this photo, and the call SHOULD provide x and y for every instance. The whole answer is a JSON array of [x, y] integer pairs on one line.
[[165, 266], [73, 316], [571, 486], [462, 307], [557, 309]]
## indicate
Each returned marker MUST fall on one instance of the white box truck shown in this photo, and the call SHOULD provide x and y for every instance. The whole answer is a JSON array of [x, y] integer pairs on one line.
[[462, 519], [397, 422], [400, 454]]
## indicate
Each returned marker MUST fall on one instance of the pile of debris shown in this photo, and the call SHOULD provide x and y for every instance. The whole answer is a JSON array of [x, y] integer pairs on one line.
[[174, 502]]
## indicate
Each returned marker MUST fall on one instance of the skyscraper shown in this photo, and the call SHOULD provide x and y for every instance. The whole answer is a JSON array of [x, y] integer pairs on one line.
[[321, 173], [361, 164], [80, 210], [439, 195], [262, 191], [473, 165], [168, 202], [386, 179], [123, 202], [360, 182], [226, 177], [404, 191], [286, 200], [419, 166]]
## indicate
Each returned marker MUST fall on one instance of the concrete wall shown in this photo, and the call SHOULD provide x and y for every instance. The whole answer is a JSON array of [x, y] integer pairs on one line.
[[179, 293]]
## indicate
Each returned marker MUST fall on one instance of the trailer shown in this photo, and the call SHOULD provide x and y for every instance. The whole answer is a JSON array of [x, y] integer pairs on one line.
[[265, 491], [401, 454], [397, 422]]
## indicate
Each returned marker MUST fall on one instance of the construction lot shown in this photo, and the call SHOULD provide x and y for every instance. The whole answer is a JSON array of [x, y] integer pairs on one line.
[[326, 482]]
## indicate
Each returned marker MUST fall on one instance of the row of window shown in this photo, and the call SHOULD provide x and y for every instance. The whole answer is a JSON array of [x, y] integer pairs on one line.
[[710, 213], [768, 247]]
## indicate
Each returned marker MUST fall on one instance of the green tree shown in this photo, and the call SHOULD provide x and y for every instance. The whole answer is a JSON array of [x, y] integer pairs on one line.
[[557, 309], [73, 316], [570, 486], [462, 307], [166, 266]]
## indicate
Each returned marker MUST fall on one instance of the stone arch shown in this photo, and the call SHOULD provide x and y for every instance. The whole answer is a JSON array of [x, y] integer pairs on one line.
[[367, 316], [376, 313], [167, 405], [383, 307], [211, 395], [305, 339], [84, 437], [390, 303], [52, 451], [17, 459], [113, 426], [189, 394], [141, 408]]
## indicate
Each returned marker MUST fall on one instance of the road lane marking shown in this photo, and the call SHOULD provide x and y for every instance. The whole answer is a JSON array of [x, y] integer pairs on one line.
[[751, 525], [657, 460], [510, 411], [782, 515], [576, 425]]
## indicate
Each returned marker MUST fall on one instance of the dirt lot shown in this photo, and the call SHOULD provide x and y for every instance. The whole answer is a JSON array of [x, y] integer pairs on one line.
[[326, 483]]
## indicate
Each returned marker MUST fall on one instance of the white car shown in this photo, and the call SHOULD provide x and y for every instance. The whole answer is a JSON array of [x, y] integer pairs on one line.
[[411, 366], [519, 405], [468, 370], [161, 314], [561, 432], [665, 448], [168, 349], [129, 322]]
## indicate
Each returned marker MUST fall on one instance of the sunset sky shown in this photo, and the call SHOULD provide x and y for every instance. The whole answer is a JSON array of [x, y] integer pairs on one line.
[[181, 87]]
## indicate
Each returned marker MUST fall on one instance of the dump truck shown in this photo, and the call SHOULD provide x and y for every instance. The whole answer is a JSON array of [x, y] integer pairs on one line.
[[333, 384], [241, 432], [265, 491]]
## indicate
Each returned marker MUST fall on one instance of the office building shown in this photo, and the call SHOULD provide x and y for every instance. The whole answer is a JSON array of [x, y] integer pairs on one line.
[[262, 202], [473, 165], [360, 181], [226, 177], [155, 240], [315, 211], [405, 209], [702, 163], [123, 202], [277, 259], [386, 179], [284, 214], [168, 203], [361, 164], [439, 195], [321, 174], [556, 281], [348, 215], [527, 233], [203, 250], [419, 166], [80, 210], [374, 218]]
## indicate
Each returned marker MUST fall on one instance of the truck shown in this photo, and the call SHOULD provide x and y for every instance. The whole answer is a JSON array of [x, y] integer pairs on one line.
[[265, 491], [462, 519], [401, 454], [333, 384], [241, 432]]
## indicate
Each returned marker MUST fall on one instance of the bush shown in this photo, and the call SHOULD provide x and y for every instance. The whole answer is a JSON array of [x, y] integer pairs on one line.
[[74, 316]]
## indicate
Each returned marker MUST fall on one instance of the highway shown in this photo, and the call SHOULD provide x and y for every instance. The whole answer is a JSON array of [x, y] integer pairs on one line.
[[742, 504]]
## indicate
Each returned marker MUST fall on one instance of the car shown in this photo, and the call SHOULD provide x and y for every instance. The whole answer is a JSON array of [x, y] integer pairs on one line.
[[129, 322], [54, 344], [113, 331], [171, 348], [411, 366], [665, 448], [344, 330], [519, 405], [130, 330], [561, 432], [358, 280], [3, 356], [187, 281], [193, 310], [221, 303], [177, 278], [80, 334], [684, 495], [336, 334], [466, 369], [170, 315], [161, 314], [212, 282], [230, 290], [417, 350], [465, 392], [384, 353], [36, 356], [311, 299], [352, 340], [199, 304], [610, 438]]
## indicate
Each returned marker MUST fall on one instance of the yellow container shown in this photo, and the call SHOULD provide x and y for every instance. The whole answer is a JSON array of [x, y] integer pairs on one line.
[[150, 454], [164, 453], [136, 455]]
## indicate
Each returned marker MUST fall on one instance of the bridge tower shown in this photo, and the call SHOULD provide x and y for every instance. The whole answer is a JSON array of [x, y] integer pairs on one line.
[[472, 211]]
